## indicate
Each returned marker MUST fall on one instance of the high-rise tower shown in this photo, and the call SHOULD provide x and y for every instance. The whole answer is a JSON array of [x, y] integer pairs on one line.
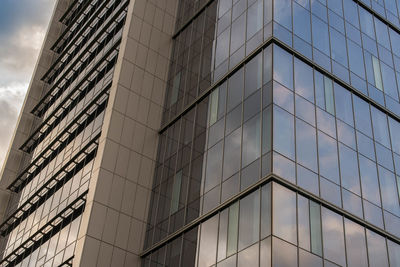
[[209, 133], [76, 183]]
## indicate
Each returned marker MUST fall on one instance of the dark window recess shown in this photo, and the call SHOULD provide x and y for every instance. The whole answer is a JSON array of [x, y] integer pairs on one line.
[[67, 263], [67, 172], [50, 229]]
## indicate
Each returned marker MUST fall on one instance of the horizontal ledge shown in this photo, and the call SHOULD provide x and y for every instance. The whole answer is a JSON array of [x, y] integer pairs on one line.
[[269, 178]]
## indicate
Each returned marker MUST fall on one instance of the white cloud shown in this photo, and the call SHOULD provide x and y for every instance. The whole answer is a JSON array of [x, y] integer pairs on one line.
[[23, 25]]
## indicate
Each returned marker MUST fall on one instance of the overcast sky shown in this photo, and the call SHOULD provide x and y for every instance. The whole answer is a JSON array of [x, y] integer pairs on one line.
[[23, 24]]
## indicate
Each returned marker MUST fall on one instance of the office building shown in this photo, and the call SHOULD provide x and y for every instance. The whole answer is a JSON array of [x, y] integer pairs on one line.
[[209, 133], [77, 178], [280, 136]]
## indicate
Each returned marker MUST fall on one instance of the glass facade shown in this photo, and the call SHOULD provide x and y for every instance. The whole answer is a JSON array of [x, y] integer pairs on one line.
[[279, 140], [49, 194]]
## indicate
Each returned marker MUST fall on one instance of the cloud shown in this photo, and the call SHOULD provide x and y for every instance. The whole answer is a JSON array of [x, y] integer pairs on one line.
[[23, 24]]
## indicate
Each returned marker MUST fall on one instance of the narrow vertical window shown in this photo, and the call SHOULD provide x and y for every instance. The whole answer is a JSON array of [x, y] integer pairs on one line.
[[266, 210], [315, 228], [249, 222], [329, 104], [175, 89], [377, 73], [176, 192], [233, 229], [213, 110]]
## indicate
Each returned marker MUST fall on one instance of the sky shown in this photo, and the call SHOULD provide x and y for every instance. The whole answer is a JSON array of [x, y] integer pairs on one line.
[[23, 24]]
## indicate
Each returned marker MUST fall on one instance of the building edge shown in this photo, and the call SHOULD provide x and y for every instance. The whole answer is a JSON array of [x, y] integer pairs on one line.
[[113, 224], [15, 158]]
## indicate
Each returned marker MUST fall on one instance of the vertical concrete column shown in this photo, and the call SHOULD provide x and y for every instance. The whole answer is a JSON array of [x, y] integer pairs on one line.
[[113, 224]]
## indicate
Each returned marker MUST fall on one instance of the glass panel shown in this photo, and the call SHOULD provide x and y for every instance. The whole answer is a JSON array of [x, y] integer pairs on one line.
[[233, 228], [283, 132], [282, 13], [394, 253], [284, 217], [176, 192], [355, 244], [369, 180], [329, 99], [208, 242], [315, 228], [376, 250], [214, 166], [283, 253], [265, 252], [249, 256], [304, 82], [266, 210], [320, 35], [344, 107], [305, 110], [304, 222], [301, 22], [251, 140], [254, 18], [235, 89], [249, 222], [306, 145], [362, 116], [349, 169], [222, 234], [333, 237], [394, 134], [377, 73], [307, 259], [253, 79], [328, 161], [381, 132], [266, 131], [390, 198], [231, 155], [213, 109], [283, 62]]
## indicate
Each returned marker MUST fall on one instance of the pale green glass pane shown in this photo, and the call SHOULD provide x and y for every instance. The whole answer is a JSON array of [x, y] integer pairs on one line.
[[377, 73], [213, 110], [315, 228], [176, 192], [233, 229], [329, 104]]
